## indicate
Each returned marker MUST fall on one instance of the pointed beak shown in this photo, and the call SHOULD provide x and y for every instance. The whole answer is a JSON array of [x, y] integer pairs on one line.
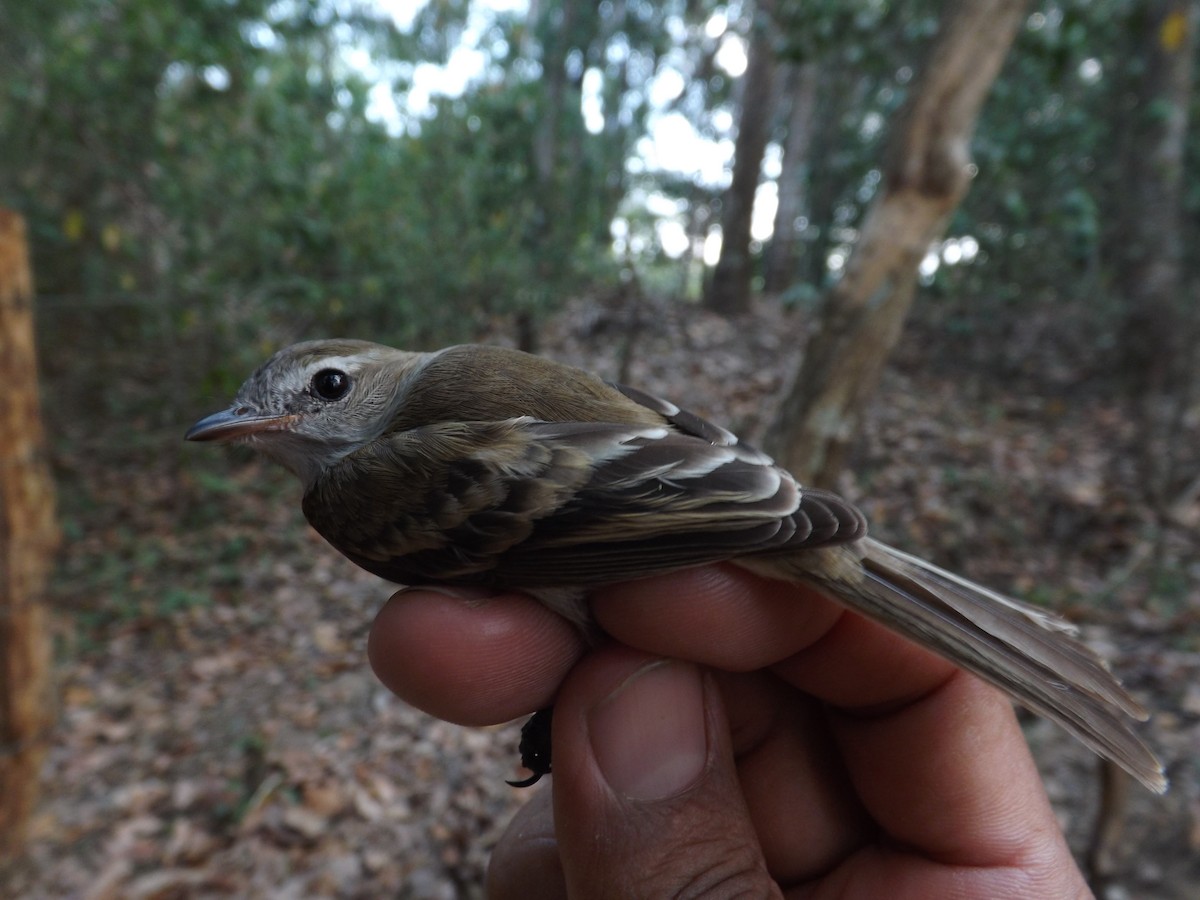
[[236, 422]]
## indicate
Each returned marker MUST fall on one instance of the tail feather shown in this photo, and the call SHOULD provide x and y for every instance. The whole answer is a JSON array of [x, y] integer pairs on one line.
[[1025, 651]]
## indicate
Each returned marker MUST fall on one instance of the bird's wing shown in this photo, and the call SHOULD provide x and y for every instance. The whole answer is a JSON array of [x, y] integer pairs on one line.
[[534, 504]]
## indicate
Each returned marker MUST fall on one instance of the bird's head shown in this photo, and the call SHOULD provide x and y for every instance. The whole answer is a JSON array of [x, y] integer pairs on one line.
[[311, 404]]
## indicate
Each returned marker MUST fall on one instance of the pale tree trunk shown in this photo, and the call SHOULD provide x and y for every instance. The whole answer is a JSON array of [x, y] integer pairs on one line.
[[729, 291], [783, 253], [27, 541], [926, 174]]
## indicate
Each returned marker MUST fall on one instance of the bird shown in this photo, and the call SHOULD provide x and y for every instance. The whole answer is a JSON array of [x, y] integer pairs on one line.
[[483, 465]]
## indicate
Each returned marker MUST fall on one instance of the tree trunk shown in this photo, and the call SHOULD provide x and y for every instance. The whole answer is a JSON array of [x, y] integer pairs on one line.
[[27, 541], [555, 33], [1153, 340], [926, 174], [729, 291], [1161, 324], [783, 253]]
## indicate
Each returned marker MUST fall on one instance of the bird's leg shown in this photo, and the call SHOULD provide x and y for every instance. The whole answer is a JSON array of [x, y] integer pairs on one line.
[[535, 746]]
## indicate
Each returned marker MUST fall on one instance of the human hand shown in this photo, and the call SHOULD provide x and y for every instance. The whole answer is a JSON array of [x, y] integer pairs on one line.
[[798, 749]]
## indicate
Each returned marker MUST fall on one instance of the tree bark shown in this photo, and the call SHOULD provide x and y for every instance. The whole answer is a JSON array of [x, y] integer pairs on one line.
[[28, 538], [783, 253], [1153, 340], [555, 43], [926, 174], [1161, 324], [729, 291]]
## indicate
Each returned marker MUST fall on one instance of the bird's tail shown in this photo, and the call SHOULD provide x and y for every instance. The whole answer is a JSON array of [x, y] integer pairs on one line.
[[1025, 651]]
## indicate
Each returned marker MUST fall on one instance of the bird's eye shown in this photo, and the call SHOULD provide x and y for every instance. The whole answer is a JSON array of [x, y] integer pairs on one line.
[[331, 384]]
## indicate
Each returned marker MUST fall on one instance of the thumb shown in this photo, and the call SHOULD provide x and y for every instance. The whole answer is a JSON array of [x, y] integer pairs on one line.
[[646, 795]]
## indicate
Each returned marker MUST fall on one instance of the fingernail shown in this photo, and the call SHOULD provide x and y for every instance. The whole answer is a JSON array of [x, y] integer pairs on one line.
[[649, 735]]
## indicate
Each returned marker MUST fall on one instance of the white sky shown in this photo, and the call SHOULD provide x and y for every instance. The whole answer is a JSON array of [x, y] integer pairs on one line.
[[671, 144], [466, 61]]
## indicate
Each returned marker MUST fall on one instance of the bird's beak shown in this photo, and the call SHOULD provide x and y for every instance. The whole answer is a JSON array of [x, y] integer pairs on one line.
[[236, 422]]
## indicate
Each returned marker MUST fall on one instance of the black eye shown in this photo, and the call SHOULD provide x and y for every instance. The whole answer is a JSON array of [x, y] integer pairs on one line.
[[331, 384]]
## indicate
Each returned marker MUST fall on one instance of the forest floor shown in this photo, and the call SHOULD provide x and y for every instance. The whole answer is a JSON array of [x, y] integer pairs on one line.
[[220, 734]]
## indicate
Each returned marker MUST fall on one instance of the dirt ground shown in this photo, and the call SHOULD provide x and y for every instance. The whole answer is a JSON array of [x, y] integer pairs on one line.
[[220, 734]]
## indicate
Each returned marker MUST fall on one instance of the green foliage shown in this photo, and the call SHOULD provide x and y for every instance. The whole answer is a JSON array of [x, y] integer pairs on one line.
[[223, 154], [865, 36]]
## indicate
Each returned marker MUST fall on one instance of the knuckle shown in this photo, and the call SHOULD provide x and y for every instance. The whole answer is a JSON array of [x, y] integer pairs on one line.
[[721, 872]]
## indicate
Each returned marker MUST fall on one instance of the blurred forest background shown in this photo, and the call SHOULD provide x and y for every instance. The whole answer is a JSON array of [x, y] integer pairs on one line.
[[669, 193]]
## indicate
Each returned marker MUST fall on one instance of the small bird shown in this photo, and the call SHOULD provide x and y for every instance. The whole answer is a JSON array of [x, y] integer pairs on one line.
[[480, 465]]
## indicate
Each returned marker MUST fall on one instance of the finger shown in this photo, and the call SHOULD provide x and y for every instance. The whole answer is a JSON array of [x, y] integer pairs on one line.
[[862, 665], [646, 795], [525, 864], [474, 662], [720, 616], [732, 619], [950, 782], [850, 662], [957, 782], [800, 798], [947, 779]]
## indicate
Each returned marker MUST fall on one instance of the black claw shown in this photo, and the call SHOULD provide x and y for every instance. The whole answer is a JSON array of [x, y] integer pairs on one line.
[[525, 782], [535, 746]]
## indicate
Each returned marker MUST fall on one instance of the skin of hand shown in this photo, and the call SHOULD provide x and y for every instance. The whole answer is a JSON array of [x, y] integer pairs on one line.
[[737, 737]]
